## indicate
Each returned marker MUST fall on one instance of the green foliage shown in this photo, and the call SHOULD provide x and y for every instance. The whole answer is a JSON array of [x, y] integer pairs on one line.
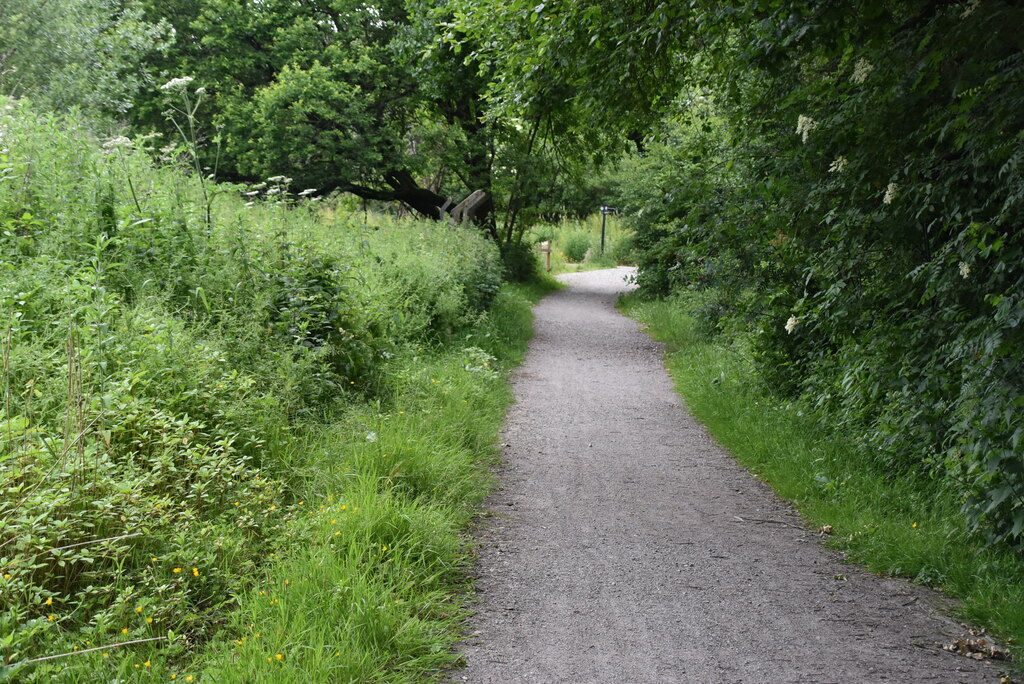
[[77, 53], [852, 199], [170, 360], [576, 245]]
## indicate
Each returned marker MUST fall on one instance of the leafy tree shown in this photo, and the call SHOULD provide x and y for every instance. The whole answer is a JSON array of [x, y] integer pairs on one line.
[[335, 94], [77, 53]]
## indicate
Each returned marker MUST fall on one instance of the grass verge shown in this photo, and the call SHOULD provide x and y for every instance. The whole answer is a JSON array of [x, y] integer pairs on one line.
[[903, 527], [365, 587]]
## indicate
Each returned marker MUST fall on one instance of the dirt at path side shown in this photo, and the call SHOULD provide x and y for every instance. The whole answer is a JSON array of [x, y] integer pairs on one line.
[[613, 552]]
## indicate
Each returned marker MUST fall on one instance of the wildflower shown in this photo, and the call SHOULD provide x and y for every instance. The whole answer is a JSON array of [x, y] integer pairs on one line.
[[48, 601], [174, 676], [138, 609], [149, 620], [201, 90], [189, 678], [273, 507], [124, 630], [965, 270], [195, 572], [838, 165], [177, 83], [117, 142], [176, 570], [383, 547], [914, 525], [804, 126], [371, 437], [153, 559], [106, 655], [51, 618], [890, 193], [146, 664], [279, 656], [792, 324], [7, 575], [861, 70], [307, 191]]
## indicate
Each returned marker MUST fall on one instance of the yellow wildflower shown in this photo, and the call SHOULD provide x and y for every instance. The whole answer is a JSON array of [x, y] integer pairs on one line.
[[279, 656], [146, 664], [49, 601], [149, 620], [124, 630], [51, 618], [138, 609], [176, 570], [195, 571]]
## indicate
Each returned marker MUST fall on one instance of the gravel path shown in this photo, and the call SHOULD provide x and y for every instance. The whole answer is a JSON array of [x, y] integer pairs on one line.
[[613, 552]]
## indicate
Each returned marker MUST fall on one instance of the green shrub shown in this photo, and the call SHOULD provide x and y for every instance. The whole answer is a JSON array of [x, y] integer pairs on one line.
[[575, 246]]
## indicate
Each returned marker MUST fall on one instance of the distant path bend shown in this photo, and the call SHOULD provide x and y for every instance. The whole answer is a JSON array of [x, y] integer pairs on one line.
[[613, 553]]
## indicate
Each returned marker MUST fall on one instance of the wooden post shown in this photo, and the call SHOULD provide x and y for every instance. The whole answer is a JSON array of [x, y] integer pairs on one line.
[[545, 249]]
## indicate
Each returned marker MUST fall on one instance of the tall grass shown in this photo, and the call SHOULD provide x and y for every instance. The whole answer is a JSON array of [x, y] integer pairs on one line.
[[896, 526], [576, 244], [228, 415]]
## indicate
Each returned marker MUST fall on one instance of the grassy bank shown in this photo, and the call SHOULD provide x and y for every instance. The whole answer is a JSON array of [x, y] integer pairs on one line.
[[898, 526], [240, 433]]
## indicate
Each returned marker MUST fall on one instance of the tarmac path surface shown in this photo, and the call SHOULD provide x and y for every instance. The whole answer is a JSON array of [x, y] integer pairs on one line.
[[624, 545]]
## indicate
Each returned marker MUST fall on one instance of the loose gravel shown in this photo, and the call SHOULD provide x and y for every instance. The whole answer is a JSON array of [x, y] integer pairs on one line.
[[625, 545]]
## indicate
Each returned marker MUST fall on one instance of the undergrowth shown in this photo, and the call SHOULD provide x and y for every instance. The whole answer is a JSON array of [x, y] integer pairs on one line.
[[240, 434], [903, 526]]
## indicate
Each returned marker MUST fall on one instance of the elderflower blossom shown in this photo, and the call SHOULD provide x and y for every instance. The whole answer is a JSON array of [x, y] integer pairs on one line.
[[804, 126], [838, 165], [792, 324], [890, 193], [177, 83], [965, 270], [861, 70]]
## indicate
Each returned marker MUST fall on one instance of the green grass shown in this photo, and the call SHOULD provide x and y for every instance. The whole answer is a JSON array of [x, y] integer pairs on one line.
[[894, 526]]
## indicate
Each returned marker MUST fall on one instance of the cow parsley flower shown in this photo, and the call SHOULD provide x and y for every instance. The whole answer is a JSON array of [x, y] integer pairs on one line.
[[792, 324], [177, 83], [804, 126], [890, 193], [861, 70], [116, 143]]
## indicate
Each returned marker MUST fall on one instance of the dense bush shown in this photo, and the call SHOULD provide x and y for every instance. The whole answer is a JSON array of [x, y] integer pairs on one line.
[[853, 197], [158, 369], [576, 245]]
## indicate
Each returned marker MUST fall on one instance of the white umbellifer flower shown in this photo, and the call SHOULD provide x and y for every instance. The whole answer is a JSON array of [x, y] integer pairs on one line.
[[861, 70], [177, 83], [804, 126], [307, 191], [792, 324], [371, 437], [117, 142], [890, 193], [965, 270], [274, 191], [201, 90], [259, 186], [276, 179], [838, 165]]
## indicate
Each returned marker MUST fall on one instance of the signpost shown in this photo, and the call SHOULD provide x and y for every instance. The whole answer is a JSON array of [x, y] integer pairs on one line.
[[605, 210]]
